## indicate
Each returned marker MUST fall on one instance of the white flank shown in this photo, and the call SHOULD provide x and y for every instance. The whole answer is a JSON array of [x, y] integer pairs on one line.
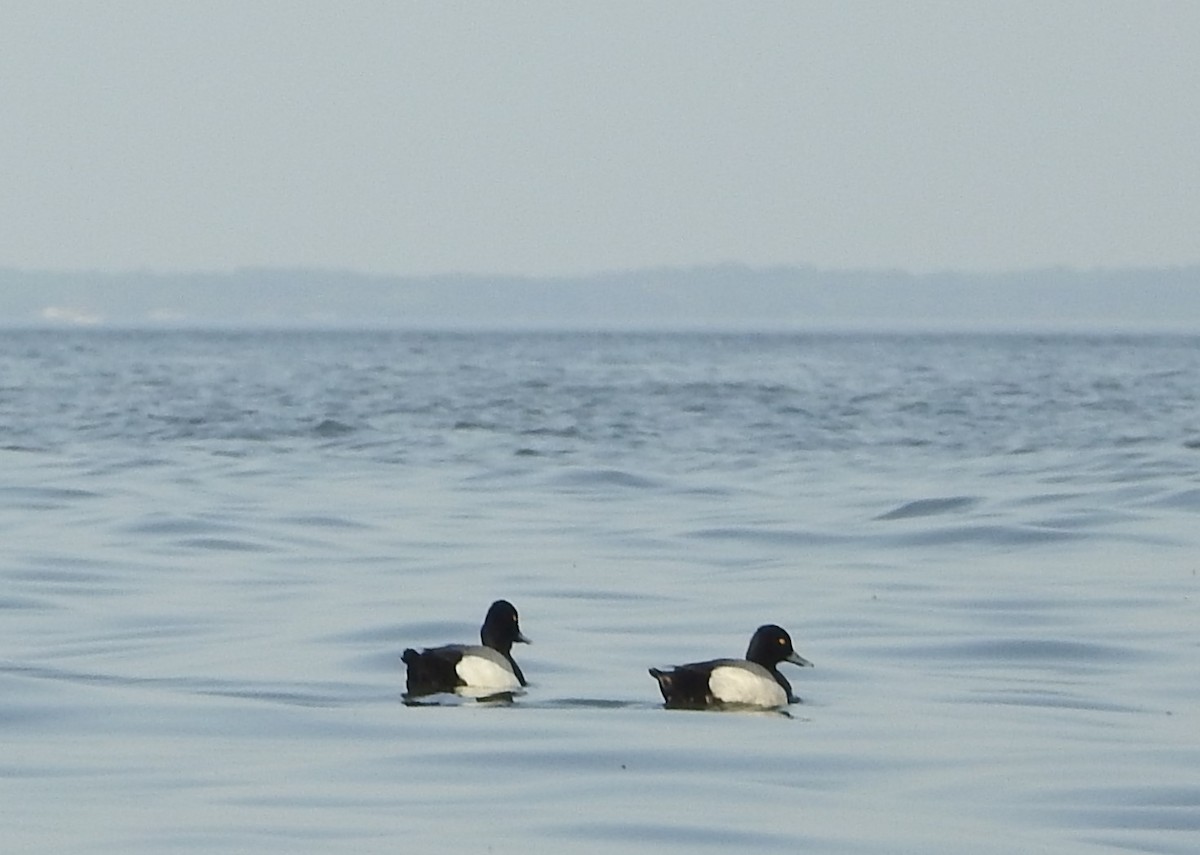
[[484, 668], [746, 684]]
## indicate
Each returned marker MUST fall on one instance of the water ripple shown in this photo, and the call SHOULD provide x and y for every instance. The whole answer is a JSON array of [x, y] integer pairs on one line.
[[929, 507]]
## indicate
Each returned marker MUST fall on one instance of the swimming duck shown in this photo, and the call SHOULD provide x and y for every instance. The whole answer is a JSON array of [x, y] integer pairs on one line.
[[469, 668], [753, 681]]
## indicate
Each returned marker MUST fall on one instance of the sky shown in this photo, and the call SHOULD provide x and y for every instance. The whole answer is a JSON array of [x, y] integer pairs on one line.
[[563, 138]]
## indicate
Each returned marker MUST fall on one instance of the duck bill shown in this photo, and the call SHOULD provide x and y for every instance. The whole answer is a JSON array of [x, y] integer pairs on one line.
[[522, 639], [797, 659]]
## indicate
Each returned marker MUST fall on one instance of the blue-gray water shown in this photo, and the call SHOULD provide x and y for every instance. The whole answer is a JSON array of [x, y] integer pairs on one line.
[[217, 545]]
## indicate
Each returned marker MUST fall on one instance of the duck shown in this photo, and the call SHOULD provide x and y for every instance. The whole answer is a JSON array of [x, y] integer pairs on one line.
[[750, 682], [471, 669]]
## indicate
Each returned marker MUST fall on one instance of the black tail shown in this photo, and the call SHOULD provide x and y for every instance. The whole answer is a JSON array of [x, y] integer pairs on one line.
[[683, 687], [431, 671], [665, 683]]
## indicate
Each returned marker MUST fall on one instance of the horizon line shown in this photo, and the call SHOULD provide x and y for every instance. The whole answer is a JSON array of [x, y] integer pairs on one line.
[[600, 273]]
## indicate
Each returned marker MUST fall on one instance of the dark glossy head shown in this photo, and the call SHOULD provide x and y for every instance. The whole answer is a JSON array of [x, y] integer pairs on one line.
[[501, 628], [771, 645]]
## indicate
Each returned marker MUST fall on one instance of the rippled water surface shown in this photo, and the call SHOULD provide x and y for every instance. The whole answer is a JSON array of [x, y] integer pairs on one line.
[[217, 545]]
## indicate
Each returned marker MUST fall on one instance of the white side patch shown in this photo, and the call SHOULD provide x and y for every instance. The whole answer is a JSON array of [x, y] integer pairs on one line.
[[746, 684], [484, 668]]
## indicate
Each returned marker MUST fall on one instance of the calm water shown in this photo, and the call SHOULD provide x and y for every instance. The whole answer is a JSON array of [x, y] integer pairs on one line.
[[216, 546]]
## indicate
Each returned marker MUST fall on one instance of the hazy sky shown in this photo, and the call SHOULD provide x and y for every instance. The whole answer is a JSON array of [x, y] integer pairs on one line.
[[566, 137]]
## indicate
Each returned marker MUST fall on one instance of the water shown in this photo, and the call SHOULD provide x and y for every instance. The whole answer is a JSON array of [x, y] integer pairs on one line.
[[217, 545]]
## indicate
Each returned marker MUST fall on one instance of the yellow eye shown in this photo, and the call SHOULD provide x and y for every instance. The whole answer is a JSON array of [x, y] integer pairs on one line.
[[782, 642]]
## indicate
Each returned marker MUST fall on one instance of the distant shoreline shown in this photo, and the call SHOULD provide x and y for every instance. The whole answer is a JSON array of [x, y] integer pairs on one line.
[[726, 297]]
